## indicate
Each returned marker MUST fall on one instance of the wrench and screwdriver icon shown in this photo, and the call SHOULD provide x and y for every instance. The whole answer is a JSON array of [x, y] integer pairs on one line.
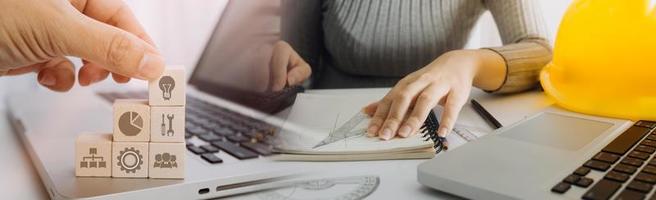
[[170, 131]]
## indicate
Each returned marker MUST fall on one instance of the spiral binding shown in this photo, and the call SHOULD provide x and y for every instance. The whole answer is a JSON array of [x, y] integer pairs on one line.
[[429, 131]]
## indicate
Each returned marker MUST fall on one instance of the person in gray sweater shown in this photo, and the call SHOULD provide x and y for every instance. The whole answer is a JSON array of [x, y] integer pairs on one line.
[[415, 46]]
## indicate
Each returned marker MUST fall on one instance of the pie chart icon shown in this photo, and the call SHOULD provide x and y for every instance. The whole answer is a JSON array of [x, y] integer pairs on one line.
[[130, 123]]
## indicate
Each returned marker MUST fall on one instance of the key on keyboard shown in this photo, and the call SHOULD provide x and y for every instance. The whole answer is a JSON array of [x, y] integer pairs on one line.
[[632, 160], [604, 189], [260, 148], [626, 140], [211, 158], [235, 150]]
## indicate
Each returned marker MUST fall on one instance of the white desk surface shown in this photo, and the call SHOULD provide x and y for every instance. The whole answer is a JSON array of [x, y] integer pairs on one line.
[[398, 177]]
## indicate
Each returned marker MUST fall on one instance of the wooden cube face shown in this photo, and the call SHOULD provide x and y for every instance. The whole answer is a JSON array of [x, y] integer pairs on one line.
[[130, 159], [93, 155], [169, 89], [167, 160], [167, 124], [131, 120]]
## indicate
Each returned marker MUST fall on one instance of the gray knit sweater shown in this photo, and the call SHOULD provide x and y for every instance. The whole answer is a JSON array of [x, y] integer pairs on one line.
[[374, 43]]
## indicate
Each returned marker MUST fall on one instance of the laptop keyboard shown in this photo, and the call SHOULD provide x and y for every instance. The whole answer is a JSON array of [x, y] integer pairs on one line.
[[221, 130], [628, 165]]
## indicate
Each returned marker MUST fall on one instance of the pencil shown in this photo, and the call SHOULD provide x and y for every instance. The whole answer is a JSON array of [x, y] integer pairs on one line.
[[485, 114]]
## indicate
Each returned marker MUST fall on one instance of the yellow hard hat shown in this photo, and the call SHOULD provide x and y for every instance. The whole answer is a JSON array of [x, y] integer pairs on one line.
[[605, 59]]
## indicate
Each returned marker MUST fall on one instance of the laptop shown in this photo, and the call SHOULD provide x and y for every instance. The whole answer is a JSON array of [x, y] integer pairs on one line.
[[230, 122], [554, 154]]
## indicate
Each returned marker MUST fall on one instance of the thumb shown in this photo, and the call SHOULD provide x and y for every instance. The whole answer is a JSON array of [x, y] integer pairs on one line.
[[114, 49]]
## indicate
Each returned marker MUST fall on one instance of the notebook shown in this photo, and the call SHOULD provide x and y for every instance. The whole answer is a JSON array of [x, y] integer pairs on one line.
[[319, 115]]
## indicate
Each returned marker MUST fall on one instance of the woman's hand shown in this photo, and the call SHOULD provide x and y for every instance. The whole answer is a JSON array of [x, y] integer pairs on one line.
[[287, 67], [446, 81], [36, 35]]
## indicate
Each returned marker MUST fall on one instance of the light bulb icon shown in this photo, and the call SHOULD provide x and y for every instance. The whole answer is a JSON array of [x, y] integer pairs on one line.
[[166, 84]]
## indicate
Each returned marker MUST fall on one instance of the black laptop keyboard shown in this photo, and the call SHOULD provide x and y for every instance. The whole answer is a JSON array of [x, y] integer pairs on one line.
[[240, 136], [628, 165]]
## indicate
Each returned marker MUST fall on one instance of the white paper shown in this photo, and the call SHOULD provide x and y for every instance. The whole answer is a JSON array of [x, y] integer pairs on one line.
[[320, 114]]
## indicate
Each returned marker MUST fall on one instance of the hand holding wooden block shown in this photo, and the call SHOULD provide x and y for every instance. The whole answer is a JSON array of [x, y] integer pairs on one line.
[[167, 160], [93, 155], [169, 89], [130, 159], [147, 141], [131, 120], [167, 124]]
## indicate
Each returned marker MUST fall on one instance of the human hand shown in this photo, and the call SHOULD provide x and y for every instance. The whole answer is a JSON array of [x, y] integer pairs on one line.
[[287, 67], [446, 81], [36, 35]]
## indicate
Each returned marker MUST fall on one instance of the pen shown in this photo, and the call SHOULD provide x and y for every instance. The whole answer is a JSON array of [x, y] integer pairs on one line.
[[485, 114]]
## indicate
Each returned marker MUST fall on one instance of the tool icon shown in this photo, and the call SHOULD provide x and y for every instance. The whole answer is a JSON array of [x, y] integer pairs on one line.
[[166, 84], [165, 160], [169, 131], [163, 126], [93, 161], [130, 160]]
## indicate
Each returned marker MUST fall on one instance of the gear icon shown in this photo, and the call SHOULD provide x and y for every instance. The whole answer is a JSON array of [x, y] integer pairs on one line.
[[130, 160]]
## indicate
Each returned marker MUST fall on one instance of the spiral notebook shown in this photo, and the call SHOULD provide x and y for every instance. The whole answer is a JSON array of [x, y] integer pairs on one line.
[[323, 115]]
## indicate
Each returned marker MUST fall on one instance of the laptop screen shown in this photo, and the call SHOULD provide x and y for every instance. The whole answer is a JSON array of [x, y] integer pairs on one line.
[[235, 62]]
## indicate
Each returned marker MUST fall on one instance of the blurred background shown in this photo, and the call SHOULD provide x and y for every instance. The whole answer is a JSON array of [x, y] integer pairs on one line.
[[181, 28]]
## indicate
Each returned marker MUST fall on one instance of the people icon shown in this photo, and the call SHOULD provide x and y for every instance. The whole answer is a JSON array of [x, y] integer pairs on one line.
[[165, 160]]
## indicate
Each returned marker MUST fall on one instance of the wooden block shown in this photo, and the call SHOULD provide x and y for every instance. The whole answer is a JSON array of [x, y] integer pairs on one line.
[[93, 155], [167, 124], [167, 160], [131, 120], [169, 89], [130, 159]]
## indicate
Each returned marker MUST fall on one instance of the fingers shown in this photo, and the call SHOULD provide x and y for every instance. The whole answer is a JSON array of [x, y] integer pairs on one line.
[[287, 67], [426, 101], [370, 109], [120, 79], [112, 48], [57, 74], [452, 106], [117, 14], [25, 69], [379, 116], [91, 73], [402, 97], [118, 51], [299, 70]]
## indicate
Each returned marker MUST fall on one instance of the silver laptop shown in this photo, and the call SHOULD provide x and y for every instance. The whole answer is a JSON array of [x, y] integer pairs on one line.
[[552, 155], [229, 128]]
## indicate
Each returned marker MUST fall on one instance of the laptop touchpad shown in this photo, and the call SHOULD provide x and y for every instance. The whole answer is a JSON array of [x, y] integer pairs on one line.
[[559, 131]]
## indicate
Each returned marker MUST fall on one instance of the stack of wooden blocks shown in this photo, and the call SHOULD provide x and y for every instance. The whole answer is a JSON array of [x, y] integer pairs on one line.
[[148, 136]]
